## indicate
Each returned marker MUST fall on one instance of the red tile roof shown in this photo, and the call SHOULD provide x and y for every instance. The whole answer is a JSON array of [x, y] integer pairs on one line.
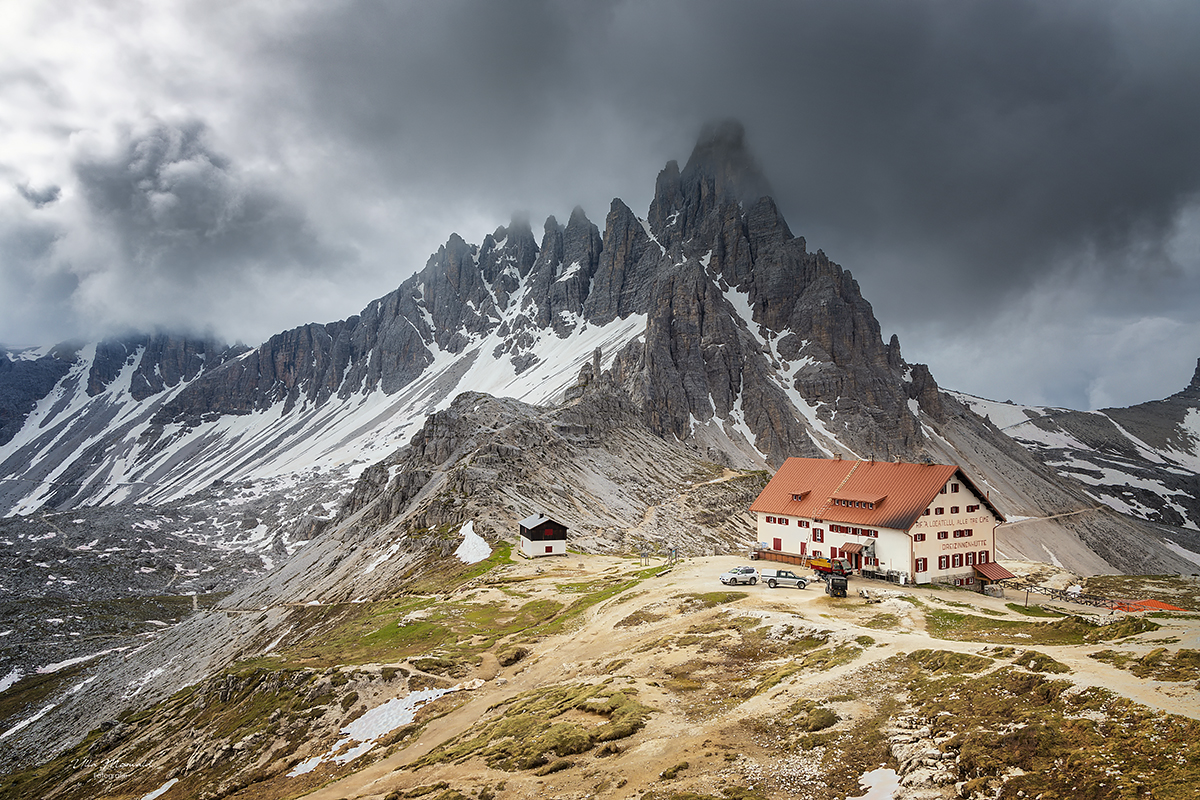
[[899, 493]]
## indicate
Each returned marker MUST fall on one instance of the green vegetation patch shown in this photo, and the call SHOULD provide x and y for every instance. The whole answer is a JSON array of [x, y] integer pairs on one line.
[[1059, 744], [1033, 611], [1034, 661], [561, 720], [640, 617], [700, 601], [728, 793], [1159, 664], [935, 661], [944, 624], [1181, 591]]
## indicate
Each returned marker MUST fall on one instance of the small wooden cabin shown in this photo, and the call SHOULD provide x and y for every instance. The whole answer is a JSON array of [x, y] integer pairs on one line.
[[542, 536]]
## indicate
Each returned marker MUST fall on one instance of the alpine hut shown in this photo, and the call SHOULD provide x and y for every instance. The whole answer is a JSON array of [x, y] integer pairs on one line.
[[542, 536]]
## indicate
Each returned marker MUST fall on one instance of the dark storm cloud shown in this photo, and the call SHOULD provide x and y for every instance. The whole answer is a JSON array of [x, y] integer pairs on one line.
[[1015, 185], [957, 157], [985, 136], [181, 213], [186, 239], [39, 198]]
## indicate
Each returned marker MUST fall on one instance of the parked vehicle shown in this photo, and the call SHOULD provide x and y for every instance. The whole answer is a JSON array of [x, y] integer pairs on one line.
[[783, 577], [740, 575], [825, 566], [835, 586]]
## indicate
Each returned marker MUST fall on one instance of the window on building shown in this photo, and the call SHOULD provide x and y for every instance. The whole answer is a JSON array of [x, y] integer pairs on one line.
[[957, 560], [943, 535], [818, 535], [816, 553], [770, 520], [953, 488], [922, 565], [783, 520], [983, 556], [969, 532], [943, 491], [953, 509], [958, 534], [939, 510], [970, 559], [926, 514], [972, 508], [801, 523], [943, 562], [918, 537]]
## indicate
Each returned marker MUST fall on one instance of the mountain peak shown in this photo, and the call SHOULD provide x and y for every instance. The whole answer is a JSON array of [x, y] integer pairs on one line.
[[721, 154], [719, 170]]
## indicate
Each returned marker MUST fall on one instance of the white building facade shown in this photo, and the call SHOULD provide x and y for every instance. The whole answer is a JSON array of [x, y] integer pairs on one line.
[[926, 521]]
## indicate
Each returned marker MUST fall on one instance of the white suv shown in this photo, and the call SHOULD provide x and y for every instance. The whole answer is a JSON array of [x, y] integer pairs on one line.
[[740, 575]]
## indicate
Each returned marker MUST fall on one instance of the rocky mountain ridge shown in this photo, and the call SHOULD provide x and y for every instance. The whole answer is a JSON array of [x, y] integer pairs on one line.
[[636, 382]]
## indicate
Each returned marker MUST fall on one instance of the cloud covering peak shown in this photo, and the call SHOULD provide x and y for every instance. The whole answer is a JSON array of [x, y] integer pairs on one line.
[[1015, 185]]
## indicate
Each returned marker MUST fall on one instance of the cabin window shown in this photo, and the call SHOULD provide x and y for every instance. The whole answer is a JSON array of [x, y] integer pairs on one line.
[[970, 559], [801, 523], [983, 556], [957, 557], [943, 562], [943, 535], [918, 537], [939, 510], [818, 535], [953, 509], [922, 565], [953, 488]]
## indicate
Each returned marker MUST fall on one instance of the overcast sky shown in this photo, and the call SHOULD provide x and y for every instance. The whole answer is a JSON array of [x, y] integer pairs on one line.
[[1015, 185]]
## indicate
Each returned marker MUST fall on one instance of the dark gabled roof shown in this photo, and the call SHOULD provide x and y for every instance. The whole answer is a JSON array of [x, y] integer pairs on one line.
[[899, 493], [993, 571]]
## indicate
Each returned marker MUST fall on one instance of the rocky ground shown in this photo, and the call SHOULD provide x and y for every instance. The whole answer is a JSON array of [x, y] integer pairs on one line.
[[592, 676]]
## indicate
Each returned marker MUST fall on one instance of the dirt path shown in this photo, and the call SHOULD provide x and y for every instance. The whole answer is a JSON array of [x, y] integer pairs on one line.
[[671, 736]]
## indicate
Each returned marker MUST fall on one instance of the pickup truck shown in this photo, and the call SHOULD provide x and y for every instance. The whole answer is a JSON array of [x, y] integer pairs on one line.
[[825, 566], [783, 577]]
